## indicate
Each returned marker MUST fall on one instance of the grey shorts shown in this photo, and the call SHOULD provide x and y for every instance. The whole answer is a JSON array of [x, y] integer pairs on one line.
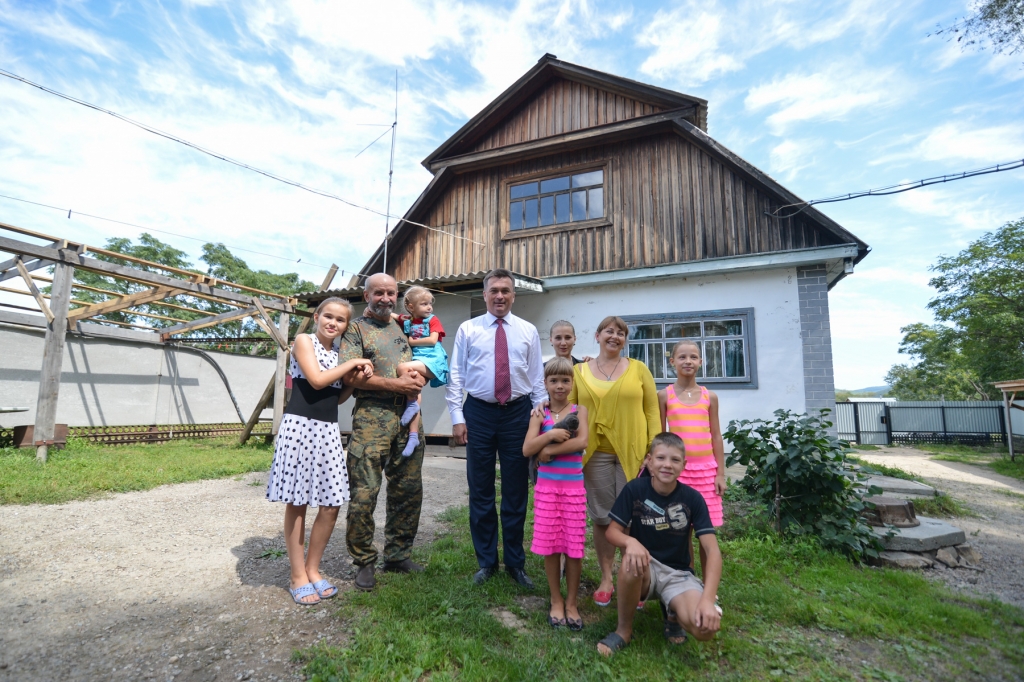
[[668, 583], [604, 479]]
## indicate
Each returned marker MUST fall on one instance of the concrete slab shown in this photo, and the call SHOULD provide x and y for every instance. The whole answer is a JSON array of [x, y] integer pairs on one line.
[[930, 535], [898, 487], [904, 560]]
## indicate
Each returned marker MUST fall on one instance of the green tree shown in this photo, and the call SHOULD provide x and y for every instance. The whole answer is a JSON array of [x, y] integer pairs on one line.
[[998, 22], [942, 370], [981, 300], [981, 292]]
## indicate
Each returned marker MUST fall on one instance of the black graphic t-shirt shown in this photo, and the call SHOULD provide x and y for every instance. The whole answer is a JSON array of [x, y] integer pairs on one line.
[[663, 523]]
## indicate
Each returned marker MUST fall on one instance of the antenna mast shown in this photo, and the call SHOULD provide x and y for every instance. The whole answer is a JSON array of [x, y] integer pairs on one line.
[[391, 172]]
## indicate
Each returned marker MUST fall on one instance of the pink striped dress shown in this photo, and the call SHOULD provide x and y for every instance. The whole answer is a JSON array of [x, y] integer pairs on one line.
[[692, 423], [559, 503]]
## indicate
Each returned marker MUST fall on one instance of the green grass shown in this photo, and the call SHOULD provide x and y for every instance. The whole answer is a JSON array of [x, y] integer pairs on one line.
[[995, 458], [84, 470], [873, 469], [865, 446], [942, 505], [792, 611]]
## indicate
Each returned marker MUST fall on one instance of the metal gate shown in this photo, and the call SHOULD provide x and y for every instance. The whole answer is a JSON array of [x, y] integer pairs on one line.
[[862, 423]]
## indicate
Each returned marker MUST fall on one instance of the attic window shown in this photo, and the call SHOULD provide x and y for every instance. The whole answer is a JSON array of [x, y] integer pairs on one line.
[[553, 201]]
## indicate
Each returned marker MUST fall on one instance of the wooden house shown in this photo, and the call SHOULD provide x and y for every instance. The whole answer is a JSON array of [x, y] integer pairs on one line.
[[607, 196]]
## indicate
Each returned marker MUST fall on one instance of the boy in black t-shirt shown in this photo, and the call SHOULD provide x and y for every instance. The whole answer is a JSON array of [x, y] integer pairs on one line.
[[651, 523]]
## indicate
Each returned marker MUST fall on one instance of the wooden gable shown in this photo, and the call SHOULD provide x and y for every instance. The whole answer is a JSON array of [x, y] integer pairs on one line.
[[563, 106], [672, 194]]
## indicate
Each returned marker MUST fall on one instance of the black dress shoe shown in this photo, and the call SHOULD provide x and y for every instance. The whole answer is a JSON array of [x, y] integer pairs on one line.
[[484, 574], [365, 580], [404, 566], [519, 575]]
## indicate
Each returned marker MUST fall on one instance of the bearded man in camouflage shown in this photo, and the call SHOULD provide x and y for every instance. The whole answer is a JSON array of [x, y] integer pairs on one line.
[[378, 437]]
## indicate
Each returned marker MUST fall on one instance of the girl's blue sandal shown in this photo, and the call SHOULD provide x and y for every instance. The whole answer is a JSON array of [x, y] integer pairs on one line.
[[322, 586], [307, 590]]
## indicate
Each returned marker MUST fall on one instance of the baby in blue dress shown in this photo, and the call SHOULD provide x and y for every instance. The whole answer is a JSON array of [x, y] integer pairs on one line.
[[428, 355]]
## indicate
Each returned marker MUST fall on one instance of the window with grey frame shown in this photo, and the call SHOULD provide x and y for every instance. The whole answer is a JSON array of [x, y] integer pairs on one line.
[[725, 340], [558, 200]]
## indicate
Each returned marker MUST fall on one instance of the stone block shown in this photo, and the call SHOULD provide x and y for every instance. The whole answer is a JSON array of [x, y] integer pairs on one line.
[[903, 560], [931, 534], [968, 554], [948, 556], [898, 487]]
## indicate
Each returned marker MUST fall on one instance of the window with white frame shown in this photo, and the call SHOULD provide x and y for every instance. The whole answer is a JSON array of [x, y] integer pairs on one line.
[[726, 340]]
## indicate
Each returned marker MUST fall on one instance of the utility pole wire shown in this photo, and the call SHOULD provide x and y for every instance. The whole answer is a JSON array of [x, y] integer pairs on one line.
[[222, 157], [897, 188]]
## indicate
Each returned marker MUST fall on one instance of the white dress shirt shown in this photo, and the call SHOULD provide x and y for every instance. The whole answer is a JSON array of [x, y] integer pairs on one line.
[[472, 363]]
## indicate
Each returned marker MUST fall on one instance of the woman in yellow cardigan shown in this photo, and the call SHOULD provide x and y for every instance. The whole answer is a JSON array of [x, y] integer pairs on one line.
[[623, 414]]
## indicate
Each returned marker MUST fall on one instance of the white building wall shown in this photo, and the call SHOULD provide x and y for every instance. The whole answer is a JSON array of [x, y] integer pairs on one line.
[[108, 382], [771, 293]]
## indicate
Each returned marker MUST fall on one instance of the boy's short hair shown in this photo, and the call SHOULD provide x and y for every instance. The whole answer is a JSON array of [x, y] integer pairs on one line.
[[558, 367], [670, 440]]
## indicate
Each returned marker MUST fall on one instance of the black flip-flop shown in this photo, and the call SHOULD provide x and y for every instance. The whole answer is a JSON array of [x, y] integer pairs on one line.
[[674, 631], [614, 642]]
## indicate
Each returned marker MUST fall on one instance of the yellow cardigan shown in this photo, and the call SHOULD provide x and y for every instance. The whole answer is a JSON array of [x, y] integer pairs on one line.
[[628, 415]]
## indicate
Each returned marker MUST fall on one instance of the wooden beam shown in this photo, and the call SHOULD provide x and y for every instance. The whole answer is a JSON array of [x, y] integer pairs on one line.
[[280, 374], [269, 390], [229, 316], [144, 277], [138, 298], [53, 356], [282, 341], [9, 271], [34, 290]]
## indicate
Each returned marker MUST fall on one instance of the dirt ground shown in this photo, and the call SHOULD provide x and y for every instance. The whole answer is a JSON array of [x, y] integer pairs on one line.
[[169, 584], [997, 533]]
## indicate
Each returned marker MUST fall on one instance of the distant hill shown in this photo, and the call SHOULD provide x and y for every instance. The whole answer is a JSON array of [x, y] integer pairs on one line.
[[869, 392]]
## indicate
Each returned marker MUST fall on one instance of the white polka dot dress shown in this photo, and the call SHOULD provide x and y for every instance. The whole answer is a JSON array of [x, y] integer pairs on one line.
[[309, 461]]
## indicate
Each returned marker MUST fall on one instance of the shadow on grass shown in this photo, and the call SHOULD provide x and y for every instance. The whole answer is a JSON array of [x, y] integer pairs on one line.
[[791, 610]]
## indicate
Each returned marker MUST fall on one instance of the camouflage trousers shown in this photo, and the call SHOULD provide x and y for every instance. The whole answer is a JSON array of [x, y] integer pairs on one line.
[[376, 447]]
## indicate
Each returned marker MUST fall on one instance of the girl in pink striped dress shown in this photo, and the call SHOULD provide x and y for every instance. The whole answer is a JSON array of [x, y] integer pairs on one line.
[[691, 412], [559, 499]]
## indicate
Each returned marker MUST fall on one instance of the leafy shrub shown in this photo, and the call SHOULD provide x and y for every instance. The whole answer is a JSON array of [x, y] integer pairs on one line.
[[797, 470]]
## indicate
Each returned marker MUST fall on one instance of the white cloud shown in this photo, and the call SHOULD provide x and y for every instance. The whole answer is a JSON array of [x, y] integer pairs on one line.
[[57, 28], [830, 94], [790, 156], [686, 44], [963, 141]]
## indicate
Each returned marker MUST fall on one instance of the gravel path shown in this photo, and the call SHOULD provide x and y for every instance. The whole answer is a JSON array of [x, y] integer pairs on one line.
[[998, 532], [168, 584]]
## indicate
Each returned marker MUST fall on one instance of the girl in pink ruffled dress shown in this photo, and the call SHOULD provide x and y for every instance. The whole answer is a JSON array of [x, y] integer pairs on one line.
[[691, 412], [558, 437]]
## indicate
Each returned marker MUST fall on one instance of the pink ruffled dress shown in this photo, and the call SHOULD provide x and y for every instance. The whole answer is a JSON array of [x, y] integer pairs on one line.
[[559, 503], [692, 423]]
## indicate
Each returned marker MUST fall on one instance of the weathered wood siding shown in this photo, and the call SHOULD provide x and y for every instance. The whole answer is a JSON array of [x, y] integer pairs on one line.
[[562, 107], [668, 201]]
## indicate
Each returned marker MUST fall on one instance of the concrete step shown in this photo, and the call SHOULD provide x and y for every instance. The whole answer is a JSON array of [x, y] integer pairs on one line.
[[898, 487], [930, 535]]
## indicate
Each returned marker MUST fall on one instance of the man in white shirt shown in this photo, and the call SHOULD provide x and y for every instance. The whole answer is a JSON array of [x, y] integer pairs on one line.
[[497, 361]]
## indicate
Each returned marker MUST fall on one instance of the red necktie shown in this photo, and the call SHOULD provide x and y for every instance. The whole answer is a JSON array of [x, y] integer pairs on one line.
[[502, 378]]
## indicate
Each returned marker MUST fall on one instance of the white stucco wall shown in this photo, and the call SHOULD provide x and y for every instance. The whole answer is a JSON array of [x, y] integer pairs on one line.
[[771, 293], [107, 382]]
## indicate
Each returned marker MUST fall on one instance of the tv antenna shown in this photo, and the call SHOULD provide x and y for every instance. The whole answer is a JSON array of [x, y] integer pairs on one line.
[[391, 170]]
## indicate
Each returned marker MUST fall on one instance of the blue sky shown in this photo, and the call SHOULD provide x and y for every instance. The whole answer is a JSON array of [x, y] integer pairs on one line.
[[827, 97]]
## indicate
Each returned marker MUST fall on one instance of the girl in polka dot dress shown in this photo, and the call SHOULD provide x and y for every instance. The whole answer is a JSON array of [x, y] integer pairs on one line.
[[309, 461]]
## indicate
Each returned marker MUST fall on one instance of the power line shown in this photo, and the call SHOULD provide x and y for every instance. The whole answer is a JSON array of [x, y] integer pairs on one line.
[[222, 157], [153, 229], [898, 188]]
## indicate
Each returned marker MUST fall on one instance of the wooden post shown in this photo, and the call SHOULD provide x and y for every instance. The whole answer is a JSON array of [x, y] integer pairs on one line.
[[282, 371], [53, 357], [269, 391], [1007, 403]]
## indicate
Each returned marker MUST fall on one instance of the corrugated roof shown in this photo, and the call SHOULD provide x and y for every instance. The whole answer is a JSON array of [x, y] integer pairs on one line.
[[523, 283]]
